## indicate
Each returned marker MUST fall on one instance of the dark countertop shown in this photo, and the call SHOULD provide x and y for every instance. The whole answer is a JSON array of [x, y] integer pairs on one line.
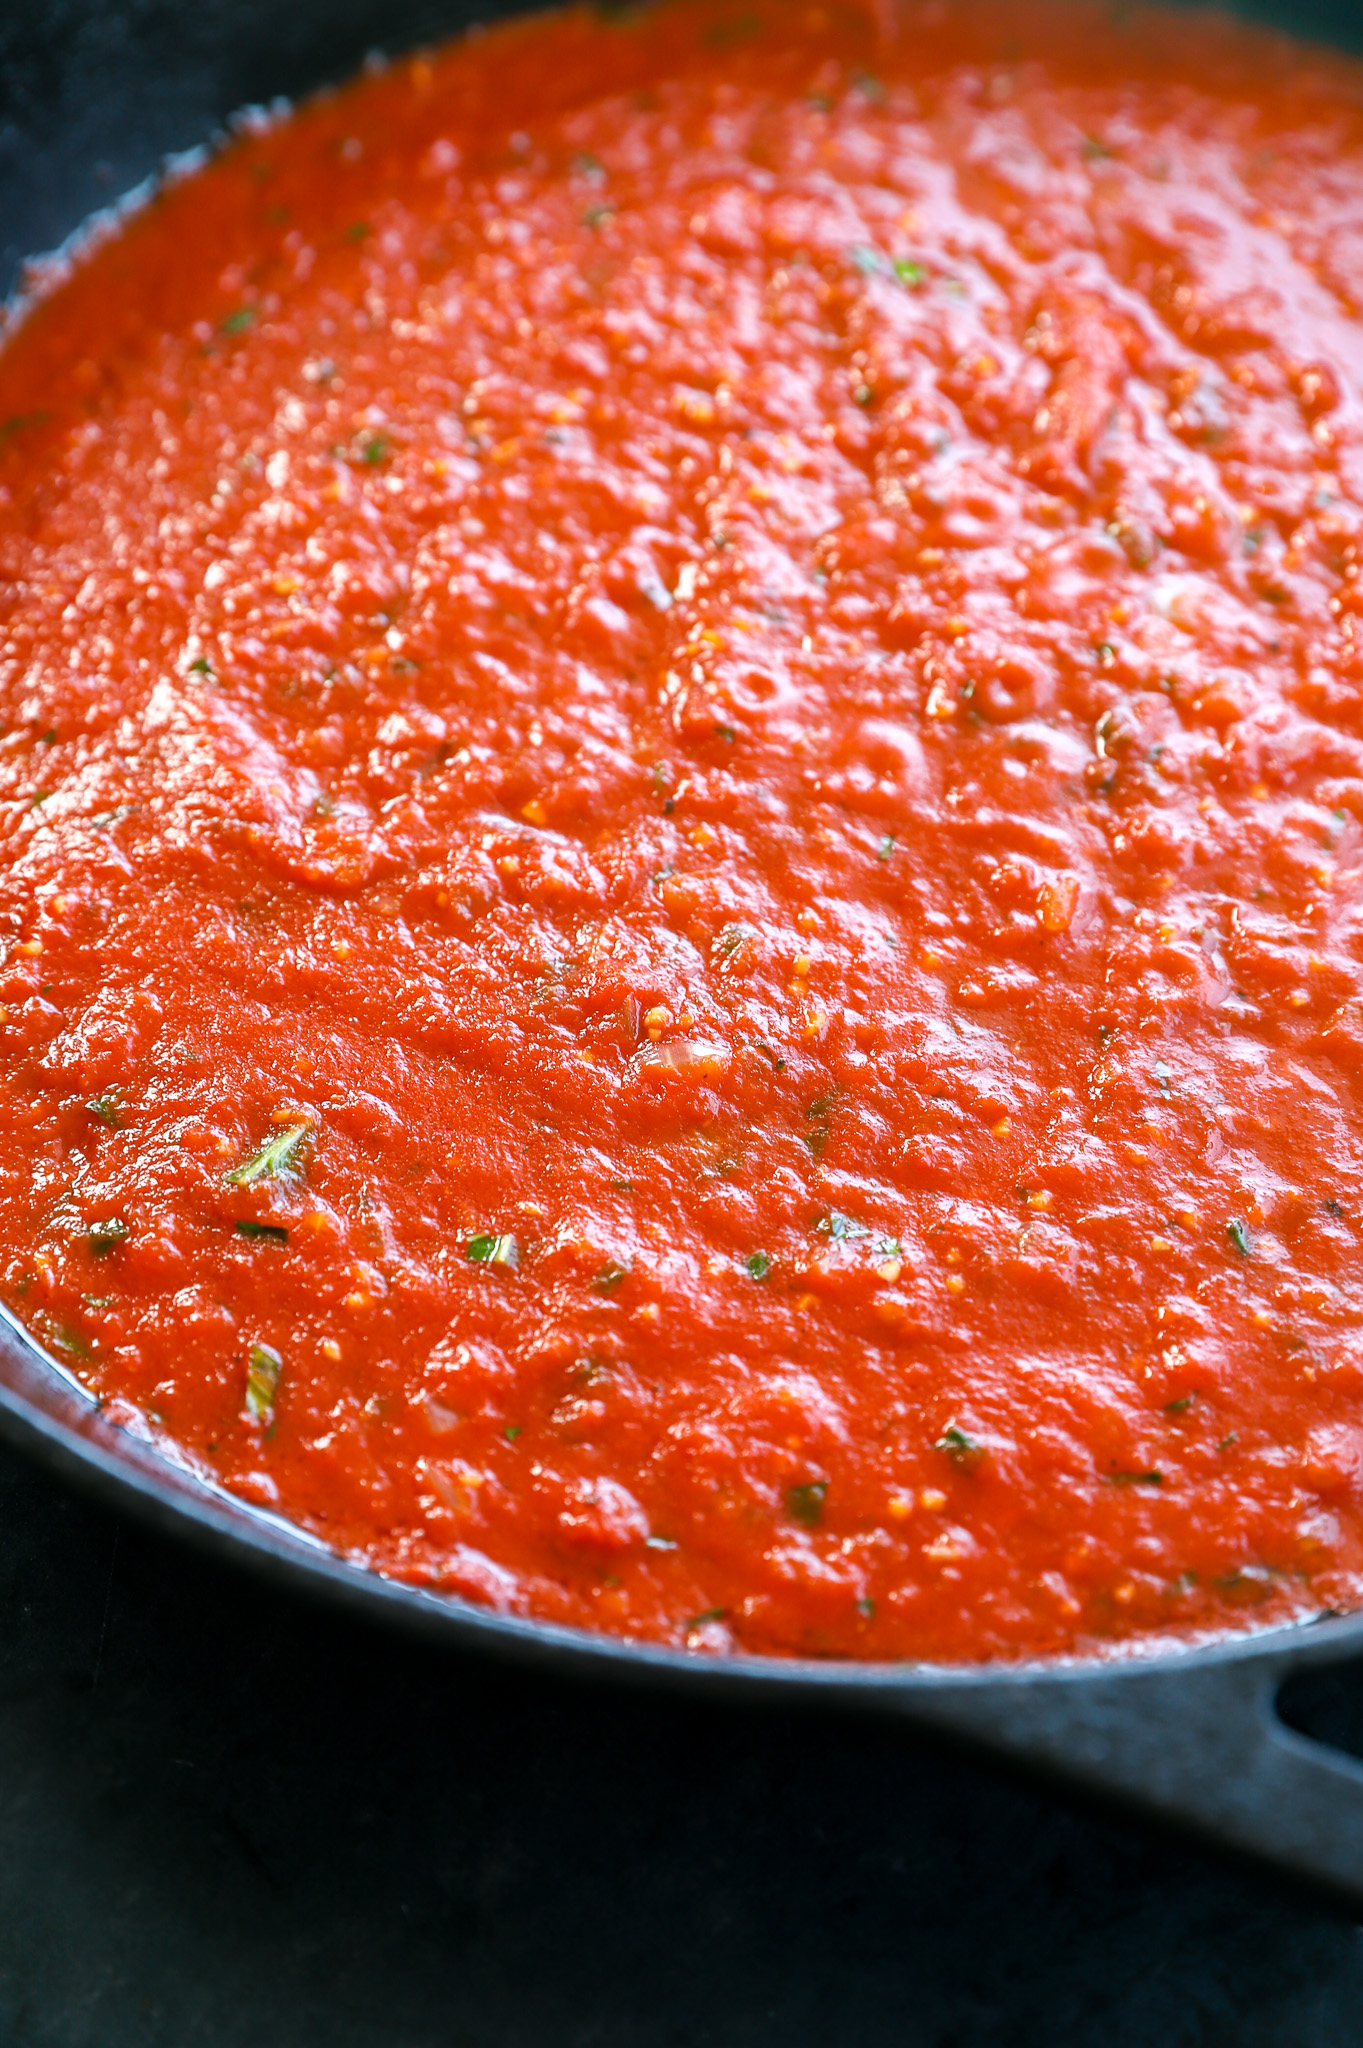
[[227, 1817]]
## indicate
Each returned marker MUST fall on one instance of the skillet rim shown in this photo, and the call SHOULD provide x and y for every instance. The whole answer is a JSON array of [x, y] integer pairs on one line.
[[72, 1435], [105, 1458]]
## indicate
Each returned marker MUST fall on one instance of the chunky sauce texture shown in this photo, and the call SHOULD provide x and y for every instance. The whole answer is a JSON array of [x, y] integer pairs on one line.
[[682, 789]]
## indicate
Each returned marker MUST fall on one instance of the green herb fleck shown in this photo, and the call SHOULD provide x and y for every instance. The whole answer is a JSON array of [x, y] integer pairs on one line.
[[264, 1366], [512, 1431], [910, 273], [359, 231], [1151, 1478], [757, 1265], [595, 215], [806, 1502], [107, 1107], [485, 1248], [723, 33], [64, 1338], [1332, 1207], [18, 422], [1181, 1405], [276, 1156], [886, 847], [962, 1449], [264, 1233], [102, 1237], [610, 1276], [374, 449], [203, 667], [835, 1224], [866, 1608], [710, 1614], [238, 322], [1239, 1236]]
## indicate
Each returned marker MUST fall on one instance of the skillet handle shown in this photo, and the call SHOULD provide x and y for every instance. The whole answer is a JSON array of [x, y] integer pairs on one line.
[[1202, 1747]]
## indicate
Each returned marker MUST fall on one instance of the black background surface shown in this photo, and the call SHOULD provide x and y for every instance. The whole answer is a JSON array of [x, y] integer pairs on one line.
[[228, 1818]]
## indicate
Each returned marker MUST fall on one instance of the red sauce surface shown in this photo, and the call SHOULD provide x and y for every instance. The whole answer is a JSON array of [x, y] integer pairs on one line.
[[712, 662]]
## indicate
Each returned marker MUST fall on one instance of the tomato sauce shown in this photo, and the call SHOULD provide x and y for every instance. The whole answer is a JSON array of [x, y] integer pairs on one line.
[[682, 789]]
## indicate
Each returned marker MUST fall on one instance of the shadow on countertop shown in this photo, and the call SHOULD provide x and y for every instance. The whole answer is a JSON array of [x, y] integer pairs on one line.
[[233, 1820]]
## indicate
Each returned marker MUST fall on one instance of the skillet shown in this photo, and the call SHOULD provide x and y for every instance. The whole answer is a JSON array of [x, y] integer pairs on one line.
[[94, 94]]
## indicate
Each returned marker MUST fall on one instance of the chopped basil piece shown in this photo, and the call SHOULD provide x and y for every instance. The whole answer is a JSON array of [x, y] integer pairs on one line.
[[486, 1249], [18, 421], [512, 1431], [63, 1338], [277, 1155], [1181, 1405], [806, 1501], [1239, 1236], [1151, 1478], [910, 273], [757, 1265], [264, 1366], [963, 1450], [102, 1237], [266, 1233], [710, 1614], [107, 1107], [238, 322], [866, 1608], [610, 1276]]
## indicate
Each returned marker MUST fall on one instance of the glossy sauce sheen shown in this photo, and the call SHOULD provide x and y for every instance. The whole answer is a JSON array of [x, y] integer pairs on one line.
[[713, 664]]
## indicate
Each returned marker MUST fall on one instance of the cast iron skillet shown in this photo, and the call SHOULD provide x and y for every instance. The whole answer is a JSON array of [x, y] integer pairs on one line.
[[93, 94]]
